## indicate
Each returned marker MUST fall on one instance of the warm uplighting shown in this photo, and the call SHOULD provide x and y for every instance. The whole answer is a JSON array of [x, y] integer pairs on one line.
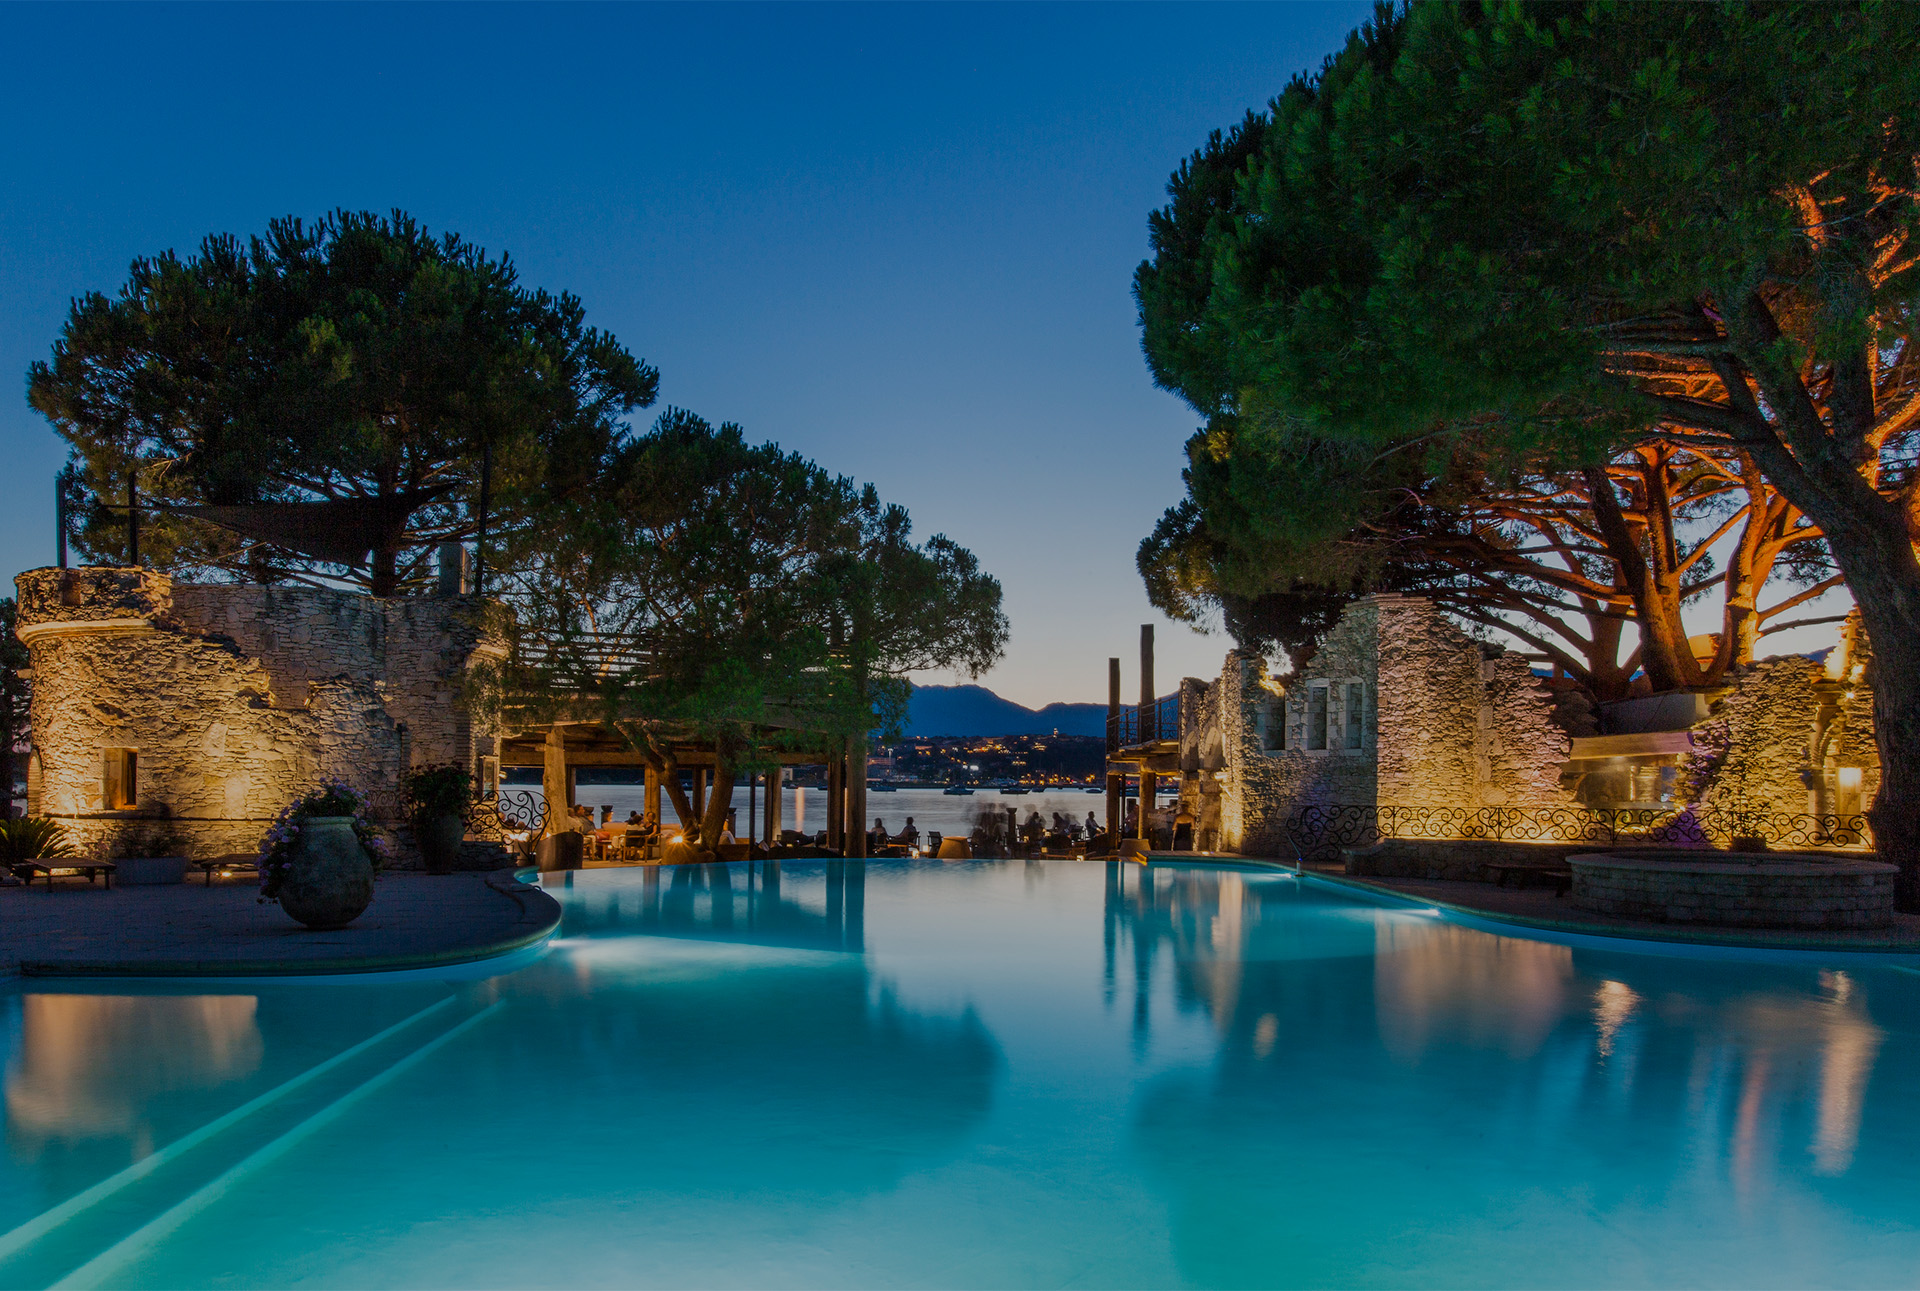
[[1849, 778]]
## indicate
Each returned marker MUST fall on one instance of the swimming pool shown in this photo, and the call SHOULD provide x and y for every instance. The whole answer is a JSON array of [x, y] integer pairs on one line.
[[985, 1074]]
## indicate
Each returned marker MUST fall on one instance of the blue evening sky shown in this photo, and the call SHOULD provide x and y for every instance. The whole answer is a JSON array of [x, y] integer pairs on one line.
[[898, 238]]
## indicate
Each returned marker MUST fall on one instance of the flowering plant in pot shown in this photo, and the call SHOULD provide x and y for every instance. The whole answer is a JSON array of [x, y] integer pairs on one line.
[[437, 800], [318, 857]]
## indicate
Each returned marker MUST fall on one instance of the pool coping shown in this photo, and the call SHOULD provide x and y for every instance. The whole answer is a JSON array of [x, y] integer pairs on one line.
[[1781, 939], [539, 918]]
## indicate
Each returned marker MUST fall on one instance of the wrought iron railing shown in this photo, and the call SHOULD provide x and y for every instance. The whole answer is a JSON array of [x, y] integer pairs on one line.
[[1318, 832], [509, 811], [1163, 723]]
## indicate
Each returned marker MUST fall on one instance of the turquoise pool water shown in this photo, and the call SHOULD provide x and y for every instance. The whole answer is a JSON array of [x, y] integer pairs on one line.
[[981, 1075]]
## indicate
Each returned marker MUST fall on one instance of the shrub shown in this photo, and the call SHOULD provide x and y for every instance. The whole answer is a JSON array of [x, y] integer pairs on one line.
[[441, 790], [332, 798], [34, 838]]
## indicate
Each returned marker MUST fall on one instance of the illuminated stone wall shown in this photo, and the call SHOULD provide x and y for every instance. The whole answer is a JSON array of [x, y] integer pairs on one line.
[[1441, 721], [1450, 722], [235, 698]]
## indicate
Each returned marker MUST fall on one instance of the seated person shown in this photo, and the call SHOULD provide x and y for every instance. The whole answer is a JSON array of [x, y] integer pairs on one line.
[[633, 818], [909, 834]]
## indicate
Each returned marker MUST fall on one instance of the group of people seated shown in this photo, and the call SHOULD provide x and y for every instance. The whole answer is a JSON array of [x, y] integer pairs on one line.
[[878, 837]]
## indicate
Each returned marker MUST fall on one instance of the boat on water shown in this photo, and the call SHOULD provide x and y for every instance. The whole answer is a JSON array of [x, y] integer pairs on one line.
[[883, 788], [957, 791], [1013, 789]]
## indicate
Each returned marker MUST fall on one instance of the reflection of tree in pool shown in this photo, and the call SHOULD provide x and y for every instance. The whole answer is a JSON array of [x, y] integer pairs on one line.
[[745, 1067], [1383, 1116], [763, 904]]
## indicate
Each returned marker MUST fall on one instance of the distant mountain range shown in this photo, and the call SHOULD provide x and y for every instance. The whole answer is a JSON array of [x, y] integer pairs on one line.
[[975, 710]]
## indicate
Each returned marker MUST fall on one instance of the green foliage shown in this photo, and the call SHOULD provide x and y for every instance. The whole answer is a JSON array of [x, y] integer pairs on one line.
[[439, 790], [360, 356], [732, 594], [1531, 235], [28, 838]]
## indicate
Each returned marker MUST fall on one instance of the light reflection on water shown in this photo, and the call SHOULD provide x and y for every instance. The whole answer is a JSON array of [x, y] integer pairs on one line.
[[1015, 1073]]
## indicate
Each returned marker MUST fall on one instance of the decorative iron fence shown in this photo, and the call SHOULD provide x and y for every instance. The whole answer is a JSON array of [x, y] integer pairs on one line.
[[1319, 832], [1163, 723], [510, 811]]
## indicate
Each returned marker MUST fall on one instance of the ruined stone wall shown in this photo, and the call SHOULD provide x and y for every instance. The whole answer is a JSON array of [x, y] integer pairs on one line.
[[1271, 772], [416, 648], [1443, 721], [1756, 748], [1520, 742], [236, 699]]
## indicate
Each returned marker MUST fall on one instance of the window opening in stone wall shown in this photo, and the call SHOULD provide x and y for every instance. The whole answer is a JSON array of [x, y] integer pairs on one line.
[[1355, 707], [489, 776], [1317, 716], [1273, 723], [119, 790]]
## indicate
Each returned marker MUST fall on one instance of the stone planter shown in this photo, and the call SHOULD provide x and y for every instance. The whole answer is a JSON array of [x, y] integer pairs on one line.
[[1800, 890], [146, 871], [331, 879], [439, 837]]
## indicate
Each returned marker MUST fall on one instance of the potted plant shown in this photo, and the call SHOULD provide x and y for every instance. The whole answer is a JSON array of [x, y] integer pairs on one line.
[[319, 856], [144, 856], [437, 799]]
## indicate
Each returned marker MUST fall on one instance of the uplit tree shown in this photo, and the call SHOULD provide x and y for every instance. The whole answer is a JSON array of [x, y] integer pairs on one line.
[[360, 360], [1569, 230]]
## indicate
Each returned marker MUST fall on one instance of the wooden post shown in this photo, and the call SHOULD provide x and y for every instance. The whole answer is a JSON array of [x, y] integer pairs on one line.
[[699, 796], [1116, 784], [775, 781], [1148, 723], [652, 803], [554, 778], [836, 802], [857, 795]]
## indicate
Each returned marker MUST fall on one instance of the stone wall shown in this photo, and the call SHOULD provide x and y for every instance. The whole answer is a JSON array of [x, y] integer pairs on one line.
[[1755, 749], [235, 699], [1442, 721]]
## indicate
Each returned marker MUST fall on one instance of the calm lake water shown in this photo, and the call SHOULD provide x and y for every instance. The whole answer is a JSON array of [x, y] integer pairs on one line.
[[930, 808], [984, 1074]]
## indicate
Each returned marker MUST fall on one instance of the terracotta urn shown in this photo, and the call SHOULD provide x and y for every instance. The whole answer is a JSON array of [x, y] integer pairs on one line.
[[438, 836], [331, 879]]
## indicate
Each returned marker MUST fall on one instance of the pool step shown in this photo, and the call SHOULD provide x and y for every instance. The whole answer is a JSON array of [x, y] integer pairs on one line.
[[101, 1232]]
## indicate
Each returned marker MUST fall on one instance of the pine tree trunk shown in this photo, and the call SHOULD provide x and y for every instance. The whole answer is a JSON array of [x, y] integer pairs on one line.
[[719, 799], [1886, 584], [386, 572]]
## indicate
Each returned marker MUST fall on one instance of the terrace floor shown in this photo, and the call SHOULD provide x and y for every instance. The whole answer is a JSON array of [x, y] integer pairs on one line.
[[190, 929], [1539, 907]]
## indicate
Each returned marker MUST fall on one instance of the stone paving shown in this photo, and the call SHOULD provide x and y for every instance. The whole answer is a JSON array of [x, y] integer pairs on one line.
[[1539, 907], [416, 920]]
